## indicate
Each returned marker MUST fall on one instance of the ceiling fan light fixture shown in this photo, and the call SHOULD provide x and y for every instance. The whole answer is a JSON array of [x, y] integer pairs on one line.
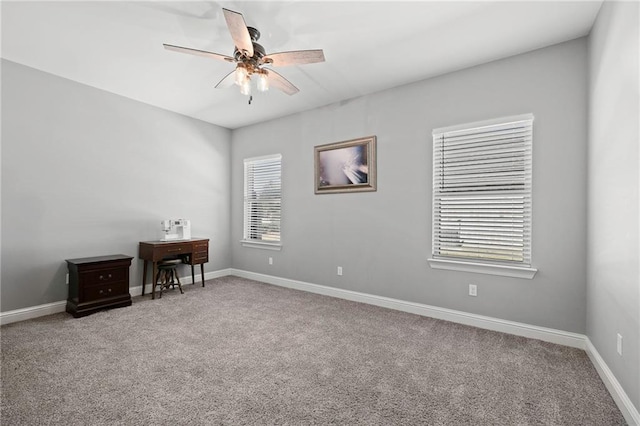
[[241, 74], [245, 87], [263, 81]]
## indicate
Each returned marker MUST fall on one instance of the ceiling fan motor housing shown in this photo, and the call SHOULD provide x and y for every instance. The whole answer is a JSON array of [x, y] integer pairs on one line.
[[258, 54], [258, 50], [254, 33]]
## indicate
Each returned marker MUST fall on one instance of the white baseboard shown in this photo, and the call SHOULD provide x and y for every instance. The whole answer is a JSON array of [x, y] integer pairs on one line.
[[32, 312], [519, 329], [629, 411], [580, 341], [137, 290], [56, 307]]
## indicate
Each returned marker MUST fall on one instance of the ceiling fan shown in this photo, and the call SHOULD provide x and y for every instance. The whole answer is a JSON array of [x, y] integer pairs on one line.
[[251, 59]]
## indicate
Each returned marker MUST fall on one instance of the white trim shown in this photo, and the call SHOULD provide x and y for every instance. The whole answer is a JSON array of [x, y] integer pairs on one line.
[[32, 312], [261, 245], [629, 411], [257, 172], [459, 166], [263, 157], [560, 337], [519, 329], [484, 123], [137, 290], [484, 268]]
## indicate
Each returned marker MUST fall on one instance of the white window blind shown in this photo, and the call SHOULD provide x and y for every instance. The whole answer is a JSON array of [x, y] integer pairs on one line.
[[482, 191], [262, 199]]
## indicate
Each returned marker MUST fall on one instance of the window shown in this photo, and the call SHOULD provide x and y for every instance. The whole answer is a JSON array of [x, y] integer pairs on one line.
[[262, 201], [482, 196]]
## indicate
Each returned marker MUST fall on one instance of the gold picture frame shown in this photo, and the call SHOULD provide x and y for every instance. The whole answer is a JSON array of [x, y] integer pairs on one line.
[[348, 166]]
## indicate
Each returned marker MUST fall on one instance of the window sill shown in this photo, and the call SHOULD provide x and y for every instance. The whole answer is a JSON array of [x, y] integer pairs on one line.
[[484, 268], [261, 245]]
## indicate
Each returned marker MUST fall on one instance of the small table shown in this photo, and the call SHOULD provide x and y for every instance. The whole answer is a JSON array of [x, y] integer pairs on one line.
[[97, 283], [196, 250]]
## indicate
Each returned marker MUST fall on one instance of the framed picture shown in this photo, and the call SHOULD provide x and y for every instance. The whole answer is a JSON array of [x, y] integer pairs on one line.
[[348, 166]]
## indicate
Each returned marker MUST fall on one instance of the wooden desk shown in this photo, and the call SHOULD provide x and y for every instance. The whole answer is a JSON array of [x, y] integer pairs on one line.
[[196, 251]]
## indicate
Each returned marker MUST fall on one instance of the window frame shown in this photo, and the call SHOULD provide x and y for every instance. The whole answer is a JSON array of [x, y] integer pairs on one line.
[[475, 263], [246, 240]]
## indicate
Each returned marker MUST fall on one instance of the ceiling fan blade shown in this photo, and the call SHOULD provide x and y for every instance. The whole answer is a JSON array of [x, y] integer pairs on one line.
[[296, 57], [198, 52], [281, 83], [227, 81], [239, 32]]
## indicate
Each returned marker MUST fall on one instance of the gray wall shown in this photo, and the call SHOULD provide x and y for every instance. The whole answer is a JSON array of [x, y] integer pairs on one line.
[[613, 291], [86, 173], [383, 239]]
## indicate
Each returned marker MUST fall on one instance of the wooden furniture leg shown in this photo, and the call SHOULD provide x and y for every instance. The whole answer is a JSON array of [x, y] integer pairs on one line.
[[161, 276], [175, 274], [202, 272], [144, 275], [155, 274], [193, 277]]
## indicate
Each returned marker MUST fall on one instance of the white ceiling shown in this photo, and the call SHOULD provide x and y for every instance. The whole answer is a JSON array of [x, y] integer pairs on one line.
[[369, 46]]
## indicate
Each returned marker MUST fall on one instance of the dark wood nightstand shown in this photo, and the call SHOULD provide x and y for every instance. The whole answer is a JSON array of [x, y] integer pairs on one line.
[[97, 283]]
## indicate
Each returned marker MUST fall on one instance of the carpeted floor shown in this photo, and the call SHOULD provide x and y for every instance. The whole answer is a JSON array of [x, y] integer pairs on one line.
[[241, 352]]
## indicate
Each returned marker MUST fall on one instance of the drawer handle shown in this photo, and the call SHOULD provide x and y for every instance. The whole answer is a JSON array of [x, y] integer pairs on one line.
[[102, 277], [102, 291], [174, 250]]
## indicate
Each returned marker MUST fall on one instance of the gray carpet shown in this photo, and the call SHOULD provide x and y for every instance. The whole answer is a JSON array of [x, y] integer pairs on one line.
[[242, 352]]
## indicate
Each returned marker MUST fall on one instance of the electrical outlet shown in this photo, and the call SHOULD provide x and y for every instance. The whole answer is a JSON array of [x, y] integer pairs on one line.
[[473, 290], [340, 270], [619, 344], [271, 261], [66, 279]]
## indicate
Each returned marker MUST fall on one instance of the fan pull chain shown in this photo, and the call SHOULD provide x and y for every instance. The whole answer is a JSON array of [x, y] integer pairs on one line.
[[250, 99]]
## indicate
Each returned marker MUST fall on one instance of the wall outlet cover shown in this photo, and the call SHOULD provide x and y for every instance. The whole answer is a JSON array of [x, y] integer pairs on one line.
[[619, 344]]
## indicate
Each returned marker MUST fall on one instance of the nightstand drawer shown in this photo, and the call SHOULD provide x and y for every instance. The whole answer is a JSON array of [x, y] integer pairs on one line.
[[104, 276], [105, 291]]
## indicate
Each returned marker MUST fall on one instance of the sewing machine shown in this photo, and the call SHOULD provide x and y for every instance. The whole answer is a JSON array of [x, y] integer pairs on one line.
[[176, 229]]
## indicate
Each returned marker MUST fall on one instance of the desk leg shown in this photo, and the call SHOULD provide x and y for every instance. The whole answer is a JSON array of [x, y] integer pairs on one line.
[[153, 280], [193, 276], [202, 272], [144, 275]]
